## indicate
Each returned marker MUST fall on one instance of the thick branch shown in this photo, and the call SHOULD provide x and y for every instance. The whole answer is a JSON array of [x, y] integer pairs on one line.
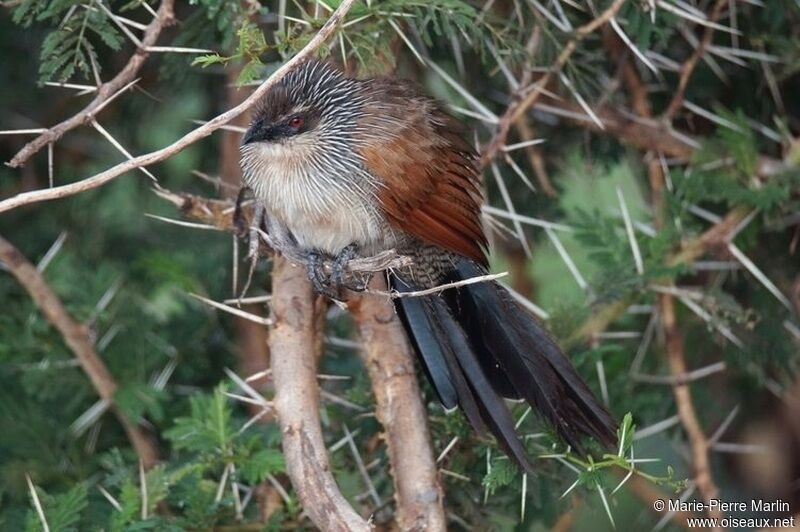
[[164, 17], [76, 336], [388, 358], [292, 342], [190, 138]]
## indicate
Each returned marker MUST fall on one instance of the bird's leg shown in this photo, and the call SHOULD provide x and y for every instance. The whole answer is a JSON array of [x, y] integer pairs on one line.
[[239, 221], [339, 271], [254, 239]]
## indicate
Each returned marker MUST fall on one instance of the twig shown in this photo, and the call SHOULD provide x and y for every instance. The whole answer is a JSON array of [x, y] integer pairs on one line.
[[441, 287], [388, 358], [164, 17], [77, 337], [683, 400], [294, 369], [193, 136], [688, 67], [521, 104], [676, 356]]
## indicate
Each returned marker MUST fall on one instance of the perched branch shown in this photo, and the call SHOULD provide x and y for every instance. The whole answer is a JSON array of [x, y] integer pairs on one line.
[[190, 138], [105, 92], [388, 358], [292, 342], [384, 260], [219, 213], [77, 337]]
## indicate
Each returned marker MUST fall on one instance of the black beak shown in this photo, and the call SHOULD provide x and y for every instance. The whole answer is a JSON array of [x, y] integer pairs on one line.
[[258, 132]]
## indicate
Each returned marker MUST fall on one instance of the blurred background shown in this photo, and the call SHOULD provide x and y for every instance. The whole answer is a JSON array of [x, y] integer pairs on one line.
[[645, 198]]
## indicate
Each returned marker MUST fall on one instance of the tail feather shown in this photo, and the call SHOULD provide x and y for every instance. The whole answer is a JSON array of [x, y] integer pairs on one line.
[[442, 343], [531, 359], [413, 313], [478, 345], [493, 409]]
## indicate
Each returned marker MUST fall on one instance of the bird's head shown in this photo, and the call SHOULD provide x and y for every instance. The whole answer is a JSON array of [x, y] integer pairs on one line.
[[311, 104]]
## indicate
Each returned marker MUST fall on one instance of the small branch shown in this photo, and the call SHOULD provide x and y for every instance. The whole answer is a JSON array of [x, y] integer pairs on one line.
[[688, 67], [676, 356], [77, 337], [683, 400], [646, 133], [388, 358], [164, 17], [190, 138], [292, 342]]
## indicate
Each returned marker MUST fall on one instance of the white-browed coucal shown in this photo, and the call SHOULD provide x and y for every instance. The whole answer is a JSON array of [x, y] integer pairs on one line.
[[350, 167]]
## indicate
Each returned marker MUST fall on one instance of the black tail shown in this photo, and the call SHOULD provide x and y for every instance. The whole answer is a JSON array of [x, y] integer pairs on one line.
[[478, 345]]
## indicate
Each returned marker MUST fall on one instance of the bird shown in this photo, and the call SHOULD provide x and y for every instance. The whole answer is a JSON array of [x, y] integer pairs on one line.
[[347, 167]]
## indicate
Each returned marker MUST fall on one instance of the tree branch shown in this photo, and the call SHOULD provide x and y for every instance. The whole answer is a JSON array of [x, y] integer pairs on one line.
[[76, 336], [164, 17], [292, 342], [388, 358], [193, 136]]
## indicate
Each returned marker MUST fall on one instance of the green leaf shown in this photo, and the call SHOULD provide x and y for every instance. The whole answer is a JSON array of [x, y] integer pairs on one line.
[[255, 468], [502, 473], [208, 428], [625, 434]]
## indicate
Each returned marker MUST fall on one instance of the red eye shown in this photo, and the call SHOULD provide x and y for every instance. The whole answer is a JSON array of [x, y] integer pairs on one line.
[[296, 122]]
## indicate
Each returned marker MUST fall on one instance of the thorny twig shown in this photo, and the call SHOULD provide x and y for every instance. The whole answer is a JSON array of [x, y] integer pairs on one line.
[[105, 92], [522, 102], [675, 351]]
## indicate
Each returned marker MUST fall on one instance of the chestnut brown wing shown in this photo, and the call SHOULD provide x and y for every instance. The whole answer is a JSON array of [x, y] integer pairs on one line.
[[429, 180]]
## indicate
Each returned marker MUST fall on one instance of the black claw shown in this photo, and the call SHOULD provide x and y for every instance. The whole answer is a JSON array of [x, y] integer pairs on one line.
[[316, 274], [339, 273]]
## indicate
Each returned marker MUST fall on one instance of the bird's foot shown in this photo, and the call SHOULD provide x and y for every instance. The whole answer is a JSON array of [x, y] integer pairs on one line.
[[319, 278], [342, 276], [339, 277]]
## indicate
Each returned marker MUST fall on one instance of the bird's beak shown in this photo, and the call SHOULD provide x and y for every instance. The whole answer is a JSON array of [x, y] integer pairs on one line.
[[257, 132], [250, 135]]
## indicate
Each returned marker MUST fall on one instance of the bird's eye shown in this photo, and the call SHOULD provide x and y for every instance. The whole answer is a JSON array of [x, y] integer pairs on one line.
[[296, 122]]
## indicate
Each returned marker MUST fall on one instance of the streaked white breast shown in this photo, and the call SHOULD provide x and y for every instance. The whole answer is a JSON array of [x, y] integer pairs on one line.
[[324, 212]]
